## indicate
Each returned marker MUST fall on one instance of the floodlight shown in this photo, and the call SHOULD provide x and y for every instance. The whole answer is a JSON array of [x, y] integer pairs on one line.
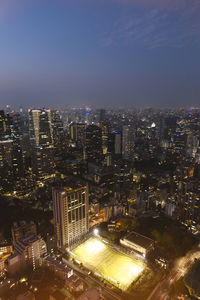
[[96, 232]]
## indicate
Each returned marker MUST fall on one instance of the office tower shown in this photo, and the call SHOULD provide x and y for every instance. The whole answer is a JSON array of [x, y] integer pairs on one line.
[[22, 229], [105, 129], [40, 132], [33, 125], [180, 141], [40, 127], [31, 249], [117, 143], [43, 162], [70, 210], [77, 133], [6, 154], [127, 142], [5, 125], [93, 143], [10, 148], [57, 128], [6, 164], [18, 122]]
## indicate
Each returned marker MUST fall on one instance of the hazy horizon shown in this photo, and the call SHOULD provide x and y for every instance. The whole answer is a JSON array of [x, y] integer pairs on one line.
[[101, 53]]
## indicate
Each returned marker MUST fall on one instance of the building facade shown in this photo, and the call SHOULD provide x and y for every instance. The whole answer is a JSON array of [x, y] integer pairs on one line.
[[70, 208], [32, 249]]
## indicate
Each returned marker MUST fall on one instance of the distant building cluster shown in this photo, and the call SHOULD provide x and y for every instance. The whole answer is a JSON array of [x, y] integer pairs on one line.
[[65, 172]]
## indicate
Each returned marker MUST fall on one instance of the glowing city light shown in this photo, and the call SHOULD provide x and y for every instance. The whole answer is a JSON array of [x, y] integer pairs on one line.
[[96, 232]]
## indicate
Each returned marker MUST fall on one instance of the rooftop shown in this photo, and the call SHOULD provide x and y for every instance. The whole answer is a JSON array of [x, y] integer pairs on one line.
[[69, 186], [139, 239]]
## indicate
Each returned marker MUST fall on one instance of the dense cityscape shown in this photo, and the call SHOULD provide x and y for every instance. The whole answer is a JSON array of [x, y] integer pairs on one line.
[[99, 149], [99, 203]]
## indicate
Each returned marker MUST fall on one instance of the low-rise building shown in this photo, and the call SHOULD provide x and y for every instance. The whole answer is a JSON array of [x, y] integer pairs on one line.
[[74, 283], [137, 242], [22, 229], [32, 249], [14, 264], [58, 268], [5, 249]]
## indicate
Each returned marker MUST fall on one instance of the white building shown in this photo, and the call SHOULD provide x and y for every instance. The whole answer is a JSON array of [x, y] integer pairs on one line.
[[138, 243], [70, 208], [32, 249]]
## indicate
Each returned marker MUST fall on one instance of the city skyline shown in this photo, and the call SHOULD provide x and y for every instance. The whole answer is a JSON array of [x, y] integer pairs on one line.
[[135, 53], [99, 199]]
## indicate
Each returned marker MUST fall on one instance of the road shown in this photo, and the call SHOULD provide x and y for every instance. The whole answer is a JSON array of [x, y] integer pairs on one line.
[[107, 292], [161, 291]]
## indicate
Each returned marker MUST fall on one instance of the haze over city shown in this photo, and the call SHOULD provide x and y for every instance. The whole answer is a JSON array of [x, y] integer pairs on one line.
[[99, 149]]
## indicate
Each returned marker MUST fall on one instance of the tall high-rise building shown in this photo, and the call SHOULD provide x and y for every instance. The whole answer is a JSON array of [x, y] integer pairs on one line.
[[40, 127], [6, 154], [93, 143], [77, 133], [10, 147], [57, 128], [118, 143], [41, 135], [43, 161], [127, 141], [70, 209], [3, 124], [105, 129], [6, 165]]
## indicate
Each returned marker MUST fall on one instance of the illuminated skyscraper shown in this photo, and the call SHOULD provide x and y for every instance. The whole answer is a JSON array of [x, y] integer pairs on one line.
[[3, 123], [77, 133], [118, 143], [57, 128], [40, 128], [70, 209], [41, 135], [93, 143], [127, 141]]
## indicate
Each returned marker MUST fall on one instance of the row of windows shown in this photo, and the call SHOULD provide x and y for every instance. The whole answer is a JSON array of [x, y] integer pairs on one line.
[[76, 214], [77, 196]]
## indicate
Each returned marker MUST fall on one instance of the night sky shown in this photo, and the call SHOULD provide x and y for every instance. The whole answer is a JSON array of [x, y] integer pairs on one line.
[[99, 52]]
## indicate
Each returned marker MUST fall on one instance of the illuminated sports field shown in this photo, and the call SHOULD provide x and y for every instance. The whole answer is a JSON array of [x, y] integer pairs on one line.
[[119, 269]]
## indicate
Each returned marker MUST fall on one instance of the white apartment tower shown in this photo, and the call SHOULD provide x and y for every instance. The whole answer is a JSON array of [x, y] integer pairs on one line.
[[70, 208]]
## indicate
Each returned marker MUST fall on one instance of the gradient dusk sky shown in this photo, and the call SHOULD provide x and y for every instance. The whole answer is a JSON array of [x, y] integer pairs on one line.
[[99, 52]]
